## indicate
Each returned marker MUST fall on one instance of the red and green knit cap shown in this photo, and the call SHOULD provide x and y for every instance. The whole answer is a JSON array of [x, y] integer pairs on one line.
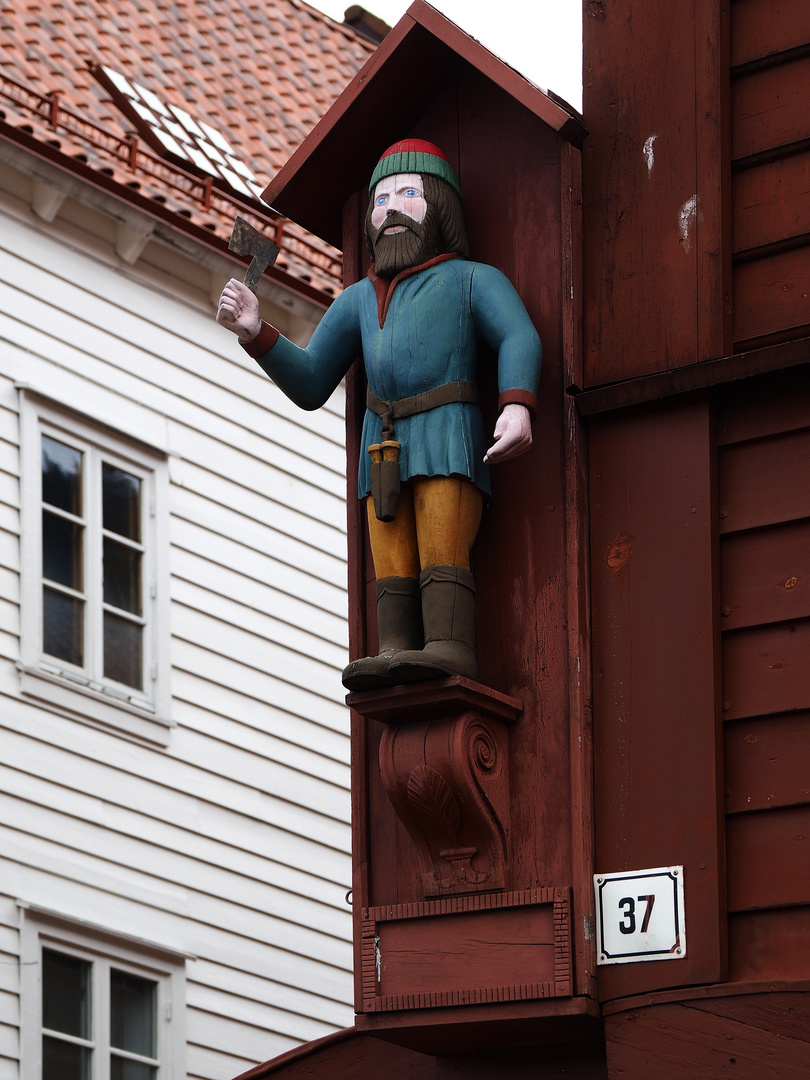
[[414, 156]]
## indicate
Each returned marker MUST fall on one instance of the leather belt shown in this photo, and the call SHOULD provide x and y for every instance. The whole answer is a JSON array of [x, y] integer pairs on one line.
[[389, 411]]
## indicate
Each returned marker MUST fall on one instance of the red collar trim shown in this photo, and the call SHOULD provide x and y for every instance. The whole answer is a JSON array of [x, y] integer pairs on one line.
[[384, 287]]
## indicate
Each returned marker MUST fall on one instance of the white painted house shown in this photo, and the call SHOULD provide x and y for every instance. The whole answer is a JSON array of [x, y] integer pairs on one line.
[[174, 834]]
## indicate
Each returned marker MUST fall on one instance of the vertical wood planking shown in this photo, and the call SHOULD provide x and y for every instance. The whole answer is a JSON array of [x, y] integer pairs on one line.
[[657, 758], [529, 557], [580, 685], [712, 121], [520, 554], [360, 578], [657, 241]]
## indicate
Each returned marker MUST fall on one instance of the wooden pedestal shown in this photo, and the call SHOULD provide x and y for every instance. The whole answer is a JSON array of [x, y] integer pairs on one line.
[[464, 939], [444, 764]]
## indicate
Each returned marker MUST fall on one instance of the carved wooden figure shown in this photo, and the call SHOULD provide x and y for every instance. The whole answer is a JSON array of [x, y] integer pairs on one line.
[[472, 888], [417, 320], [444, 762]]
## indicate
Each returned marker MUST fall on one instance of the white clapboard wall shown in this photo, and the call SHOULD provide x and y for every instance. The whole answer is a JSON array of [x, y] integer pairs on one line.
[[232, 843]]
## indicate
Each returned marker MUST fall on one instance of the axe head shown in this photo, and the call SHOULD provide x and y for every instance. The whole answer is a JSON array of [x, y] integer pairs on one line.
[[245, 240]]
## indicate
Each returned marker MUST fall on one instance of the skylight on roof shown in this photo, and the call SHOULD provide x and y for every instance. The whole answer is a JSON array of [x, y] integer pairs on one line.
[[168, 129]]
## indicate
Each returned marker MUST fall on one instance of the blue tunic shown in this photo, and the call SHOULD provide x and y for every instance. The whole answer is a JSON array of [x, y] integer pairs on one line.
[[434, 321]]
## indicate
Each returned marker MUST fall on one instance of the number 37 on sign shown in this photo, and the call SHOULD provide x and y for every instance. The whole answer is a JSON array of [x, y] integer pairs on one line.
[[640, 916]]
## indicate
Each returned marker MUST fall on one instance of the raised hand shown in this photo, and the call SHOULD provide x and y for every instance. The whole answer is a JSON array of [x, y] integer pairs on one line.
[[238, 311]]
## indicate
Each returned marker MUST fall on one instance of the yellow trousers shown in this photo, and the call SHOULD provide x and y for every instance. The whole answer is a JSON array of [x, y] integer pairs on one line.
[[436, 524]]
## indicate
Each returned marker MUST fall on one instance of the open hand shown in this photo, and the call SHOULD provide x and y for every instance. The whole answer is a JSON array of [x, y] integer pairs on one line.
[[513, 434], [238, 311]]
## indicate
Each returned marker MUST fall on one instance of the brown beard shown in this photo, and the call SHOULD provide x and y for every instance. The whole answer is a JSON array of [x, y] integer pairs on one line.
[[419, 242]]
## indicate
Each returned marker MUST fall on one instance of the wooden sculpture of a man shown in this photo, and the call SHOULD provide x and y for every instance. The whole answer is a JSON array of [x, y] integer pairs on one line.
[[416, 320]]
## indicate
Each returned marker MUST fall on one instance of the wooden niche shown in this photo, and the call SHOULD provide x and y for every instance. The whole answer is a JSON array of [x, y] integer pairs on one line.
[[471, 800]]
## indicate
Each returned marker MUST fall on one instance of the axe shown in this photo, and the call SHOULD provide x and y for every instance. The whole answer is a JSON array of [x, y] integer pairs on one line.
[[245, 240]]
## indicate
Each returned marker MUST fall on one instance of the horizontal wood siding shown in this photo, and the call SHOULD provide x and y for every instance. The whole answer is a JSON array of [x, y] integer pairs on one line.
[[763, 474], [770, 148], [761, 28], [9, 989], [232, 844], [769, 109], [772, 203], [745, 1036]]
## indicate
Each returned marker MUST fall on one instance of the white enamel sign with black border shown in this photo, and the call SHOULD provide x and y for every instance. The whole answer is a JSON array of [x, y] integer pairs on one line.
[[640, 916]]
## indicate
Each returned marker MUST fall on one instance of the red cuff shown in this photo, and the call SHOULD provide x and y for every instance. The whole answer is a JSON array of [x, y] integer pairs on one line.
[[519, 397], [263, 342]]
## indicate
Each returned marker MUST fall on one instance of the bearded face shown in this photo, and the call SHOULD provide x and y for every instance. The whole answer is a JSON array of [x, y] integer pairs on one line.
[[401, 227], [413, 243]]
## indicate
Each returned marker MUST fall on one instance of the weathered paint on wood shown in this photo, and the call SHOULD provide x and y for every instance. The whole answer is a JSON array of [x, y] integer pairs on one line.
[[655, 212], [766, 762], [765, 670], [770, 946], [769, 110], [657, 761], [767, 858], [771, 203], [772, 298], [765, 482], [744, 1037], [761, 28], [766, 576], [766, 688]]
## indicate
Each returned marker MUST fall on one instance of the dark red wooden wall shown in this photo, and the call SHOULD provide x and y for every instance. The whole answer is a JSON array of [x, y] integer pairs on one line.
[[697, 389], [770, 180], [660, 525], [527, 558], [764, 510]]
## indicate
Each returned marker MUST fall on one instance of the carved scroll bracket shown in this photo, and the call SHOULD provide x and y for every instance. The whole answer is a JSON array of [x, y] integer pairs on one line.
[[444, 762]]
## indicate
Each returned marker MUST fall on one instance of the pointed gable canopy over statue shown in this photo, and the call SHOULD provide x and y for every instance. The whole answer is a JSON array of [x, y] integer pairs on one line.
[[393, 92]]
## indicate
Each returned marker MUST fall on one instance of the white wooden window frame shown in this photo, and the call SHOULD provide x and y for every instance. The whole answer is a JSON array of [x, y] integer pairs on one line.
[[83, 693], [103, 950]]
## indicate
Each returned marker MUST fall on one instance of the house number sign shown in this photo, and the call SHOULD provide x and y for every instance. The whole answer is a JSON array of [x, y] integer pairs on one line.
[[640, 916]]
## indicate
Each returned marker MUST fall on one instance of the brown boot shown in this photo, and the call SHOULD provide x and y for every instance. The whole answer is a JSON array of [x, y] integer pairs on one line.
[[399, 627], [448, 613]]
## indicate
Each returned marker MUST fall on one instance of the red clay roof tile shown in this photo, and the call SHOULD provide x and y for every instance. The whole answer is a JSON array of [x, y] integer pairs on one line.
[[259, 73]]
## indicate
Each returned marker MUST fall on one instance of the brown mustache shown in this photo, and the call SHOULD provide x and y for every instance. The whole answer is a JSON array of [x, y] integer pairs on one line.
[[394, 219]]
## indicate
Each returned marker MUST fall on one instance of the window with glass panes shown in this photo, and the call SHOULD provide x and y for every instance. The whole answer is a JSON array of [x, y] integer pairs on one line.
[[92, 562], [97, 1020]]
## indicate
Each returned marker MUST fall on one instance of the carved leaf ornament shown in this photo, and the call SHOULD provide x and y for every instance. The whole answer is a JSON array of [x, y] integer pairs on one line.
[[433, 799]]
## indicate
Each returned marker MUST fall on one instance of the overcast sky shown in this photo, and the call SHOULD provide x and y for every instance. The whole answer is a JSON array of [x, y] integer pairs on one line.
[[541, 38]]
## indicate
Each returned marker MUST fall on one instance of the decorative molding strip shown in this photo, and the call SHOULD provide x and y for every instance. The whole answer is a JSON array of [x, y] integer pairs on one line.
[[526, 992], [553, 928], [451, 905]]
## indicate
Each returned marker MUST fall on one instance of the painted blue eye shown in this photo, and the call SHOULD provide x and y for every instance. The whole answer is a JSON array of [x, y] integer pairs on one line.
[[411, 193], [381, 200]]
